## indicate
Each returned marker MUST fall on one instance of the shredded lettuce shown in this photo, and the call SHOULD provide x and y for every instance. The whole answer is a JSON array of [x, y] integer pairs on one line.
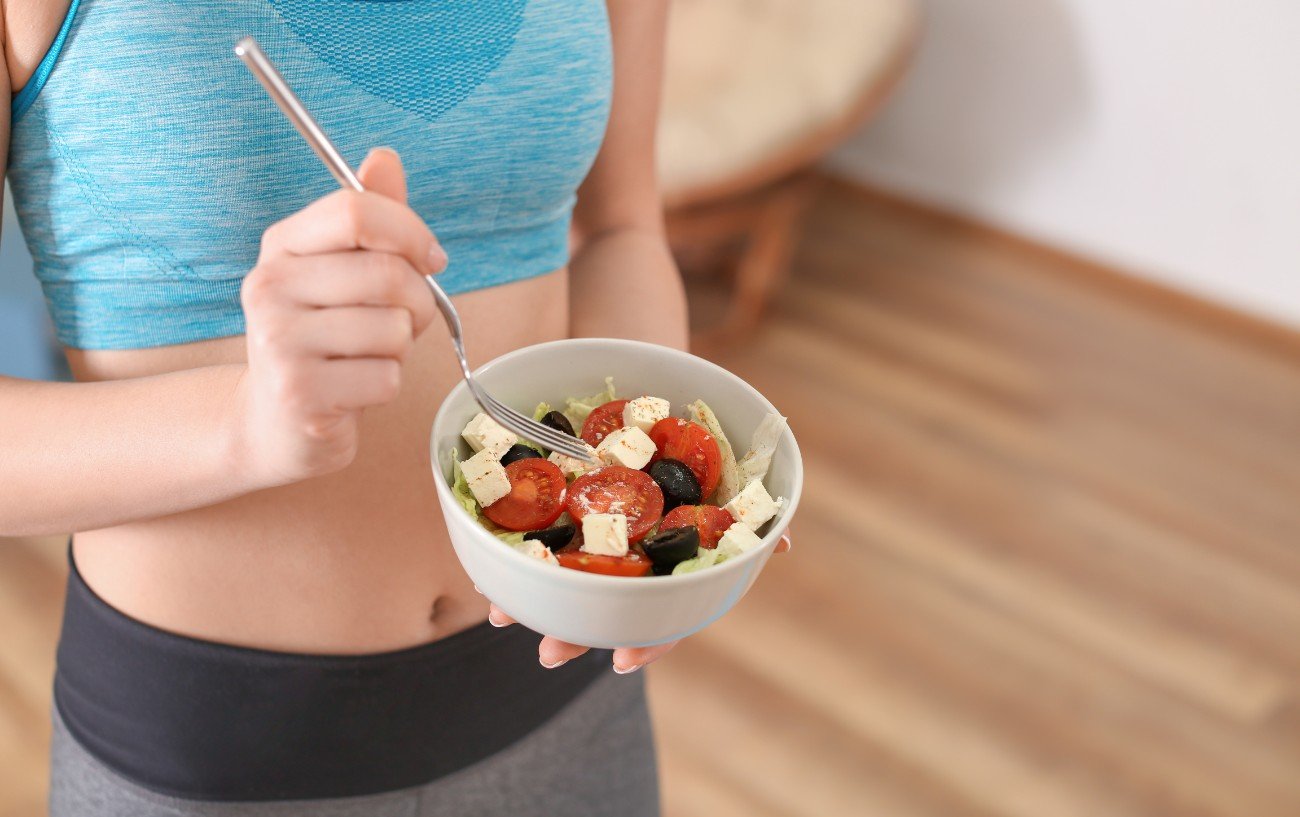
[[577, 408], [707, 558], [541, 411], [513, 538], [754, 465], [729, 484], [460, 487]]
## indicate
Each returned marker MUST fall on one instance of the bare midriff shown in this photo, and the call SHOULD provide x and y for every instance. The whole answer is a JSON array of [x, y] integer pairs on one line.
[[354, 562]]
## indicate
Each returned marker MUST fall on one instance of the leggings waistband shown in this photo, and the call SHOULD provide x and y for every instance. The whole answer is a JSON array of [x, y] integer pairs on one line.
[[210, 721]]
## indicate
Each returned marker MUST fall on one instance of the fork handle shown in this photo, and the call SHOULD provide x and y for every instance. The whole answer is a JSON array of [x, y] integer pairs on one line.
[[452, 317], [248, 50]]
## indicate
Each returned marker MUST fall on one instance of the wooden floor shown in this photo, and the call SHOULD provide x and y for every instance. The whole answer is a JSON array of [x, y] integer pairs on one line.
[[1047, 564]]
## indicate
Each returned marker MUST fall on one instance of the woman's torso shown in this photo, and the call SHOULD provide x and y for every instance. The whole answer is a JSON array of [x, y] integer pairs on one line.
[[353, 562]]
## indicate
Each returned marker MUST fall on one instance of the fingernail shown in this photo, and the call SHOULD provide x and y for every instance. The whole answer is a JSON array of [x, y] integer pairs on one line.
[[494, 622], [437, 257], [559, 663], [627, 670], [476, 590], [789, 543]]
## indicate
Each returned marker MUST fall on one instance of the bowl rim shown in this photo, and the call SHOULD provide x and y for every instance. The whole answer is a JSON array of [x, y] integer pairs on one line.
[[486, 539]]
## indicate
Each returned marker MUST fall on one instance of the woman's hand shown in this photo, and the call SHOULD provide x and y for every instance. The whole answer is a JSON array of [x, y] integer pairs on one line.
[[333, 308], [553, 652]]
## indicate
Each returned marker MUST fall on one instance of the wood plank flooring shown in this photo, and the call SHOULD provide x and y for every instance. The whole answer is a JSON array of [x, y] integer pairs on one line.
[[1048, 562]]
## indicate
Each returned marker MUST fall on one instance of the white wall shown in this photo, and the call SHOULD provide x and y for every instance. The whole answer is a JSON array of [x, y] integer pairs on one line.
[[1162, 136]]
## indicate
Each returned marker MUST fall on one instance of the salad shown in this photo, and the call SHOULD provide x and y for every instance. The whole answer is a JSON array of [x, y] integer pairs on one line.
[[668, 497]]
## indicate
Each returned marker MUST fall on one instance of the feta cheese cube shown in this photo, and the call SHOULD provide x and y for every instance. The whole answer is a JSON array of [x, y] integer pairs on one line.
[[535, 549], [753, 505], [629, 446], [572, 466], [486, 477], [485, 434], [604, 534], [738, 539], [644, 412]]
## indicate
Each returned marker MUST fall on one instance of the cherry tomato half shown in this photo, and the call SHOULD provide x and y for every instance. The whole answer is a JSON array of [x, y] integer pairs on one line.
[[603, 419], [536, 496], [710, 520], [615, 489], [633, 564], [692, 444]]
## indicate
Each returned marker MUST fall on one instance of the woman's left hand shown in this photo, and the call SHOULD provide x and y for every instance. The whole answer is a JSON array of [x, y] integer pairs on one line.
[[553, 652]]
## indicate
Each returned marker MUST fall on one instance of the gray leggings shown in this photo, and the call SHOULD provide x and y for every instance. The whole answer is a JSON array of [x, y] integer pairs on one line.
[[596, 757]]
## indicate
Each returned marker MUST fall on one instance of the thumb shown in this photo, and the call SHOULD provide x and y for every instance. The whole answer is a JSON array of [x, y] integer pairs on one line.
[[382, 172]]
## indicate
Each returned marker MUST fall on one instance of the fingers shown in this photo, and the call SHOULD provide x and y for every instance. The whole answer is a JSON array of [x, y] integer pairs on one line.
[[283, 332], [382, 172], [553, 652], [631, 659], [355, 278], [497, 617], [350, 220], [351, 331], [351, 383], [784, 544]]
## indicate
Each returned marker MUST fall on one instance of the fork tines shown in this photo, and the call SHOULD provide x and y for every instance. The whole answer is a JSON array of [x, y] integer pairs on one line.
[[531, 429]]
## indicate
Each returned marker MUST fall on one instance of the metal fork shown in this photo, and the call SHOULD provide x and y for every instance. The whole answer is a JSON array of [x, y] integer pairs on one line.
[[251, 53]]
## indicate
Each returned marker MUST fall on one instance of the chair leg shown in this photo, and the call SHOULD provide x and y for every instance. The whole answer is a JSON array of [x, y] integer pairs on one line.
[[764, 261]]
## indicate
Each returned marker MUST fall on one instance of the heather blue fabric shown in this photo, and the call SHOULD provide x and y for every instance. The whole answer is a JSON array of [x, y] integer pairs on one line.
[[146, 162]]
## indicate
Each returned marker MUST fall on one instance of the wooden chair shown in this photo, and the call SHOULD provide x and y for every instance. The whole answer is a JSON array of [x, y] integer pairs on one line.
[[756, 93]]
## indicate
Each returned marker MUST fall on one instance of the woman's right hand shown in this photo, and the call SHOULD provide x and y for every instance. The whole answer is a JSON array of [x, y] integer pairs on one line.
[[333, 308]]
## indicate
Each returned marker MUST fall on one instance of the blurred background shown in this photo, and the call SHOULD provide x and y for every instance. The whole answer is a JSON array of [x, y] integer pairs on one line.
[[1025, 276]]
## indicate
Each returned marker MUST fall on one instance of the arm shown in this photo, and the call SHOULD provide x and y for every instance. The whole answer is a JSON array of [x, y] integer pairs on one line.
[[622, 254], [85, 456]]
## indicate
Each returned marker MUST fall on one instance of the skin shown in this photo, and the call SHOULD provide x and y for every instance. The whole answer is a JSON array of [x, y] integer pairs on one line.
[[272, 490]]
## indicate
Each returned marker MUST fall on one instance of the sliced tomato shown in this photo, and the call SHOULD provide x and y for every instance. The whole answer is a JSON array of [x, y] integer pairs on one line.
[[615, 489], [602, 420], [536, 496], [710, 520], [633, 564], [692, 444]]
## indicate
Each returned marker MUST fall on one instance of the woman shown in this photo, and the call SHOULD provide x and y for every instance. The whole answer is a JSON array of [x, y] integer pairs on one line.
[[264, 614]]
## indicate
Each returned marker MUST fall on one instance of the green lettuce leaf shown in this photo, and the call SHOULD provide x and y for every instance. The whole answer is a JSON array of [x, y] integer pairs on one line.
[[514, 538], [577, 408], [729, 484], [707, 558], [754, 465]]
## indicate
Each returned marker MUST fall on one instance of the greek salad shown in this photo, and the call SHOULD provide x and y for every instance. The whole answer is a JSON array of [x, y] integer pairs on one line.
[[668, 497]]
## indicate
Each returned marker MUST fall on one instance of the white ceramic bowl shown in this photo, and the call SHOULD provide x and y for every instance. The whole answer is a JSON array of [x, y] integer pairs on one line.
[[587, 608]]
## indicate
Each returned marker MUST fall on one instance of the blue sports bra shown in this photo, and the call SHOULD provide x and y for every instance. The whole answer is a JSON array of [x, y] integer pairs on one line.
[[146, 161]]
